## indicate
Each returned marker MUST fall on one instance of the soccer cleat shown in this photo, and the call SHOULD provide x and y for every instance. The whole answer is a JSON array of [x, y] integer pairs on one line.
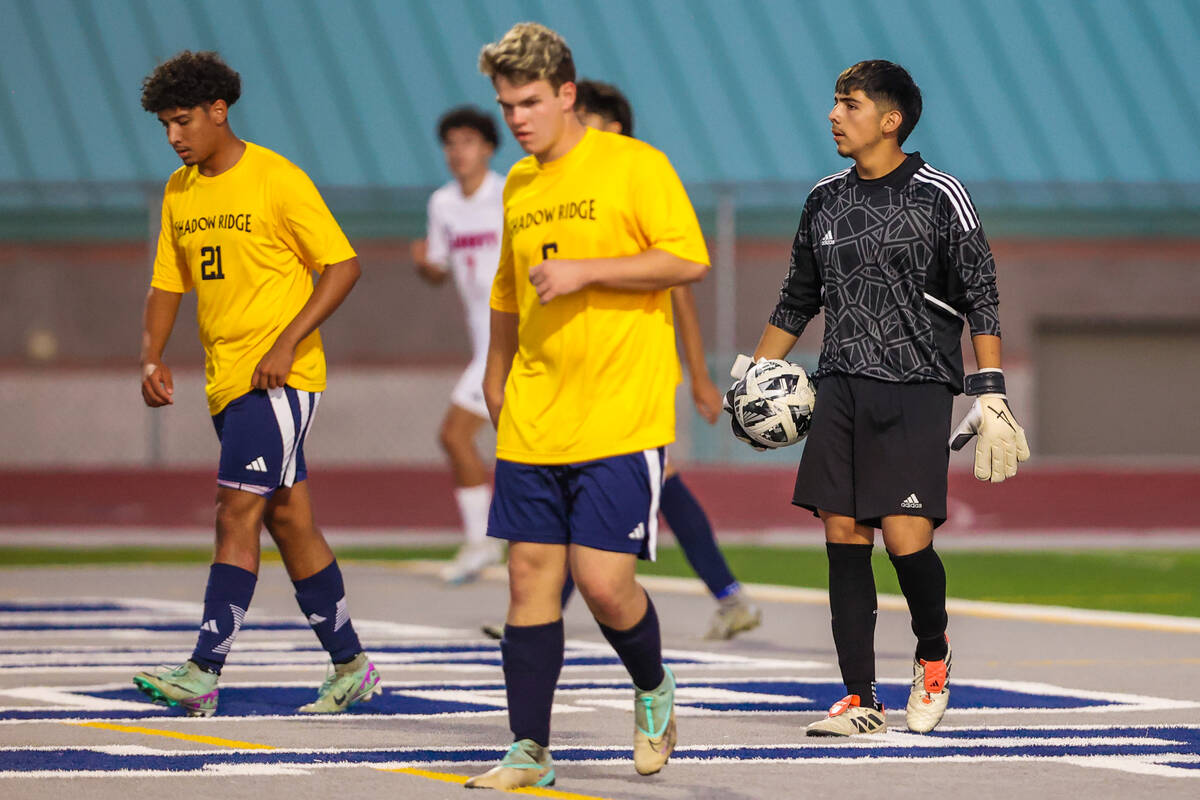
[[356, 681], [189, 686], [930, 694], [733, 618], [526, 763], [847, 717], [654, 725], [472, 558]]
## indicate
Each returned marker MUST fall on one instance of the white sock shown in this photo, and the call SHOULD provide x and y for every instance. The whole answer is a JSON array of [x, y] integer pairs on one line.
[[473, 505]]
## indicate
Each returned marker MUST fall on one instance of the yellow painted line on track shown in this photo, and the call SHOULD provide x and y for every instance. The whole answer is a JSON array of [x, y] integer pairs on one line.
[[217, 741], [531, 791], [187, 737]]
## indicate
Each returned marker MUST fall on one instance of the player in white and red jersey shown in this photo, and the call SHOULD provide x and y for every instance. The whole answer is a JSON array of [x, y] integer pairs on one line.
[[463, 239]]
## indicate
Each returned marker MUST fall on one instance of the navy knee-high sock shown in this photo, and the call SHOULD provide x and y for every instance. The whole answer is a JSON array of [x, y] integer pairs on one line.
[[923, 583], [533, 658], [322, 598], [568, 590], [853, 605], [226, 599], [694, 533], [640, 649]]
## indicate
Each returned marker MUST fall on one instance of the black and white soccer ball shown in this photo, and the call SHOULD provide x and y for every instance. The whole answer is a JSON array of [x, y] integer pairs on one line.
[[773, 403]]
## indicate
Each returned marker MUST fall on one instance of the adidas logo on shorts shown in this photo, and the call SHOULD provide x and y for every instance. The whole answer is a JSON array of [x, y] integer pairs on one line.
[[639, 532], [257, 465], [911, 502]]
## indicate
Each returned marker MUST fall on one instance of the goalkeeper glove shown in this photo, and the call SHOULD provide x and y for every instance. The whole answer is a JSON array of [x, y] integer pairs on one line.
[[1002, 444], [738, 372]]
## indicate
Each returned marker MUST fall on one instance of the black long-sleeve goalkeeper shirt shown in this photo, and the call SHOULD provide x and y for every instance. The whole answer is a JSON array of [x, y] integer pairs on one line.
[[897, 263]]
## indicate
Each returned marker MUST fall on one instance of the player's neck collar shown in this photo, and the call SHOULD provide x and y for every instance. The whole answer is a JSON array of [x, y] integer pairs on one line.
[[895, 179]]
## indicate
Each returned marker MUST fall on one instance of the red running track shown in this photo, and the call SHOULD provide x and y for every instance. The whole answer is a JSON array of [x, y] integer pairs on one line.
[[737, 499]]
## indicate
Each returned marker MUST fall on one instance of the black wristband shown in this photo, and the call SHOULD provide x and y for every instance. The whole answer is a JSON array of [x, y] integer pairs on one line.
[[990, 382]]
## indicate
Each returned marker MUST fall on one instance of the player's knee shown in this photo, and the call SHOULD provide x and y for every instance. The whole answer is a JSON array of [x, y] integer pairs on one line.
[[605, 596], [233, 514], [280, 519], [450, 437]]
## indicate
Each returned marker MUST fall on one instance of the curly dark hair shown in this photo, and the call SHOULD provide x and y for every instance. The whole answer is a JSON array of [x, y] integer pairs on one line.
[[188, 80], [469, 117]]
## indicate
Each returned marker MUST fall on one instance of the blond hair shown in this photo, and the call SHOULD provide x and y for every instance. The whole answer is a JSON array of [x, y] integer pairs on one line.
[[529, 52]]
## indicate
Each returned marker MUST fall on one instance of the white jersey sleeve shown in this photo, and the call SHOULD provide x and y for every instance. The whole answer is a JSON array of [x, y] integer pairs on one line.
[[437, 233]]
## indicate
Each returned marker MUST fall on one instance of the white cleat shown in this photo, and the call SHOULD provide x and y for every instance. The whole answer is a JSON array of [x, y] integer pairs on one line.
[[472, 558], [930, 693], [848, 718], [733, 618]]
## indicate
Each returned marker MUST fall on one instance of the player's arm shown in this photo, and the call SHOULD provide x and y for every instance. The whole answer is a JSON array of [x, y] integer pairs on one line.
[[1002, 443], [430, 254], [332, 288], [158, 320], [799, 298], [429, 271], [705, 393], [648, 271], [502, 348]]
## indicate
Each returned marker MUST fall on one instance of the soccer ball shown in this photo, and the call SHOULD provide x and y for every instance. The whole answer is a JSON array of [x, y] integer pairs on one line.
[[774, 403]]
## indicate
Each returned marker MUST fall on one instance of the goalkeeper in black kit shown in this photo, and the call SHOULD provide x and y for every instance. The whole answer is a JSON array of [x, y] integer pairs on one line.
[[892, 249]]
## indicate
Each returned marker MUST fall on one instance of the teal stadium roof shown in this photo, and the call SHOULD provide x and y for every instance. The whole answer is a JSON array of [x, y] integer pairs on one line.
[[1071, 103]]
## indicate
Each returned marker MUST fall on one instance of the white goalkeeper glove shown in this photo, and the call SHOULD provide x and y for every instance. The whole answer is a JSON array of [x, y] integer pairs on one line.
[[1002, 444], [740, 365]]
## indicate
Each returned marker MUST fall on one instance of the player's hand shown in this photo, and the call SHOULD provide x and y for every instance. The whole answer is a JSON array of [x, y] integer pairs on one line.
[[739, 432], [556, 277], [273, 369], [418, 250], [158, 388], [707, 398], [1002, 444]]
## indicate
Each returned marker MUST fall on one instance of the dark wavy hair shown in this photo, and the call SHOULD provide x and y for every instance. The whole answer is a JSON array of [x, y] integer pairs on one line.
[[889, 86], [468, 117], [188, 80], [607, 101]]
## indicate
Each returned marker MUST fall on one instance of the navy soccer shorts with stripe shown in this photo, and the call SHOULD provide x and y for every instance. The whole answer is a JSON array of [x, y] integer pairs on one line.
[[262, 439], [607, 504]]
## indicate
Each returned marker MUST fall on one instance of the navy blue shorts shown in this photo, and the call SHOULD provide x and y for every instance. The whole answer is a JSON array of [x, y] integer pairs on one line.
[[608, 504], [262, 439]]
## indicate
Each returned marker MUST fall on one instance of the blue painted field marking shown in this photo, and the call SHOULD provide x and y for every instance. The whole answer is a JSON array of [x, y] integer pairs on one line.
[[1171, 749]]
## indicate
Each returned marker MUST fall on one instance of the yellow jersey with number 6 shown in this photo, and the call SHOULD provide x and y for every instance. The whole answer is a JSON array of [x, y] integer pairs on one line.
[[246, 240], [595, 371]]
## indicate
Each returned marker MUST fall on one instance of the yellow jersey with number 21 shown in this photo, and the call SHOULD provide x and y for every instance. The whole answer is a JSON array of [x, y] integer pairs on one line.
[[246, 240], [595, 371]]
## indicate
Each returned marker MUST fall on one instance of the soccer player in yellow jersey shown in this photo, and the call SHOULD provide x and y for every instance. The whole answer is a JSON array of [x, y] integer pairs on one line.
[[246, 229], [580, 381]]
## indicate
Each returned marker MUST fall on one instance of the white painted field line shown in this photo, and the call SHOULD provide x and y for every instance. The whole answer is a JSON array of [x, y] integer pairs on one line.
[[1057, 615]]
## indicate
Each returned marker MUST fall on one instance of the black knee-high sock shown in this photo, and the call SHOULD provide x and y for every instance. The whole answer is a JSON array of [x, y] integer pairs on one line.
[[853, 605], [923, 582], [640, 649], [533, 659]]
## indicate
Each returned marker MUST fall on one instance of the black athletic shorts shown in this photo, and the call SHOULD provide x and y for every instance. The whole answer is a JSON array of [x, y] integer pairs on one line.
[[875, 449]]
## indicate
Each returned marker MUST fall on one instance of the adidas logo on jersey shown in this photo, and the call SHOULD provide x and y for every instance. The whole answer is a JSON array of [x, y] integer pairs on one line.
[[210, 626], [639, 532], [911, 502], [827, 239], [257, 465]]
